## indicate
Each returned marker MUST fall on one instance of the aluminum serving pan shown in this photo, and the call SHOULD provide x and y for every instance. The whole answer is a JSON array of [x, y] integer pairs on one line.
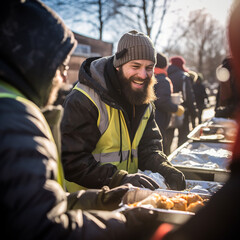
[[215, 130], [212, 133], [176, 217], [202, 160], [203, 187]]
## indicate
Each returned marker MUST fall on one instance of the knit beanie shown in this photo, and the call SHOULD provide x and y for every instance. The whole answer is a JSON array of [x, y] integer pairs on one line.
[[134, 45], [162, 60], [179, 62]]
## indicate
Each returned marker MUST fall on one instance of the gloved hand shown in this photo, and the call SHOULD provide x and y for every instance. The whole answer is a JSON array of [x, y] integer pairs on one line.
[[140, 180], [141, 222], [180, 111], [104, 199], [173, 177]]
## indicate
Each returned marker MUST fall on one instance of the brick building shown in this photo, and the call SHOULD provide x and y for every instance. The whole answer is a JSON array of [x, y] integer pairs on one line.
[[87, 47]]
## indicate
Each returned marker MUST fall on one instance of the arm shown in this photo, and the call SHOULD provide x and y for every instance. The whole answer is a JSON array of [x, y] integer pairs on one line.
[[151, 156], [33, 204], [80, 135]]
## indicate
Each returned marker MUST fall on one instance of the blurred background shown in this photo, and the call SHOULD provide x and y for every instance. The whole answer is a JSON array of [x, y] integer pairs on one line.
[[194, 29]]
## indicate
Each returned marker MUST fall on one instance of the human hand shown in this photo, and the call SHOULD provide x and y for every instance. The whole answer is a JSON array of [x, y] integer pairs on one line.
[[104, 199], [173, 177], [140, 180]]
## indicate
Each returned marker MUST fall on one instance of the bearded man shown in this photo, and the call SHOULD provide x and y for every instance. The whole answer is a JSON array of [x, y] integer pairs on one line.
[[108, 127]]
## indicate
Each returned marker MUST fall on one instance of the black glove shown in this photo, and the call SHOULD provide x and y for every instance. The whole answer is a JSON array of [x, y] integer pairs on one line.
[[140, 180], [141, 222], [104, 199], [173, 177]]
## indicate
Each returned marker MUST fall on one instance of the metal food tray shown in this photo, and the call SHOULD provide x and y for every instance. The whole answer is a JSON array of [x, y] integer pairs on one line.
[[197, 135], [176, 217], [206, 187], [198, 173]]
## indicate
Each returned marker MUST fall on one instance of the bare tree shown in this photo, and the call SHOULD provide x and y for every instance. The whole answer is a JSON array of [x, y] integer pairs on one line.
[[146, 16], [95, 13], [201, 41]]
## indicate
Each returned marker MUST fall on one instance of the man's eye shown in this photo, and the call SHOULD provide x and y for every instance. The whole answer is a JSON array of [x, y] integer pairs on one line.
[[149, 69]]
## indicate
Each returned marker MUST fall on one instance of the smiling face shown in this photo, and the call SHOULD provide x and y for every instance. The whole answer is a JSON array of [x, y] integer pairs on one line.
[[137, 81]]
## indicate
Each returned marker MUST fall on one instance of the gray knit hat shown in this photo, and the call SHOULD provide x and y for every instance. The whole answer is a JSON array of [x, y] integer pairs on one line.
[[134, 45]]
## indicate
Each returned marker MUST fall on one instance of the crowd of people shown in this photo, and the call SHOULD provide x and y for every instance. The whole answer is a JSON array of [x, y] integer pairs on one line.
[[65, 167]]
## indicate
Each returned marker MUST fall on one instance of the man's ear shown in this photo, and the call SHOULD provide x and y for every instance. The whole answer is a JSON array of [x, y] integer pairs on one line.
[[117, 68]]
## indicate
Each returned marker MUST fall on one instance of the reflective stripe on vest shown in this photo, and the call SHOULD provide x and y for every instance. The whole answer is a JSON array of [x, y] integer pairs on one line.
[[114, 145], [8, 91]]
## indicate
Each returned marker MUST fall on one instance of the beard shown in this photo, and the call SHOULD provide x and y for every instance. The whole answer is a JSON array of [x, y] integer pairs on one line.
[[137, 96]]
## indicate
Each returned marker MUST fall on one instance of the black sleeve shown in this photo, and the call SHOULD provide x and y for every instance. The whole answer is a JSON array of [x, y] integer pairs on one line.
[[33, 205], [80, 135], [150, 150]]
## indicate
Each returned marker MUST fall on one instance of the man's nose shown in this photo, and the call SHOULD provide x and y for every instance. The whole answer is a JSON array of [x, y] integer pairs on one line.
[[142, 73]]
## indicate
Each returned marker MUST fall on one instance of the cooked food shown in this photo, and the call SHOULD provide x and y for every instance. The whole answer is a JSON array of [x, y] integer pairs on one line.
[[182, 202], [179, 204], [190, 198], [194, 207], [152, 199], [165, 203]]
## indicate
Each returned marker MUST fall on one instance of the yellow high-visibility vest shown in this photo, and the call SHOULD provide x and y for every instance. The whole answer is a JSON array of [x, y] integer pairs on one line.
[[8, 91], [114, 145]]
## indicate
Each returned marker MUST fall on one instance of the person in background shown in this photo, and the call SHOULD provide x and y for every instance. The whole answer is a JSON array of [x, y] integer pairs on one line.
[[163, 90], [227, 98], [108, 127], [219, 219], [201, 96], [181, 81], [35, 46]]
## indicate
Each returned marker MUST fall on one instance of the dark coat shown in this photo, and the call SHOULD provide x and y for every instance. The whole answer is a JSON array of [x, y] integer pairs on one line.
[[32, 204], [80, 133], [200, 95], [177, 77], [164, 105]]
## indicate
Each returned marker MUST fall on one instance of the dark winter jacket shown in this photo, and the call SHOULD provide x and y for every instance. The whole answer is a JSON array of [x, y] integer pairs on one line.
[[80, 133], [177, 77], [200, 95], [164, 106], [32, 204]]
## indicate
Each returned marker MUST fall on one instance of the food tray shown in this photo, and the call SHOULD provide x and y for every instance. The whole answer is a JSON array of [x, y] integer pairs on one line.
[[202, 160], [176, 217], [204, 187], [215, 130]]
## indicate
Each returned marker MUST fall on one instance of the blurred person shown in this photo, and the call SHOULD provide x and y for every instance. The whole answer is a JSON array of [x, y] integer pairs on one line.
[[219, 219], [182, 82], [34, 46], [201, 96], [108, 127], [227, 97], [163, 90]]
